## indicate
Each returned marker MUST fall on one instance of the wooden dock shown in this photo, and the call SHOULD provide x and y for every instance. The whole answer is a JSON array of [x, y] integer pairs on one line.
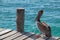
[[8, 34]]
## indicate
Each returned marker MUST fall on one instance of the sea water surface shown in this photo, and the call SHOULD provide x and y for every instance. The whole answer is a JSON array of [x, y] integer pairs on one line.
[[51, 14]]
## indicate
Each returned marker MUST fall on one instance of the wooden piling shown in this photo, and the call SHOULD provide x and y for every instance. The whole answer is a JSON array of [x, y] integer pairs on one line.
[[20, 20]]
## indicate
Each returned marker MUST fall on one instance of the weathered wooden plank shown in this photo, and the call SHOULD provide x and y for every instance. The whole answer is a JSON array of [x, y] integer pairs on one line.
[[14, 36], [55, 37], [8, 34], [40, 39], [52, 38], [58, 39], [20, 20], [5, 31], [1, 29], [24, 36], [33, 37]]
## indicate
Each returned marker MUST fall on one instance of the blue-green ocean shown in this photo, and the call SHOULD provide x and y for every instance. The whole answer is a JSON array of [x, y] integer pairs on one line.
[[51, 14]]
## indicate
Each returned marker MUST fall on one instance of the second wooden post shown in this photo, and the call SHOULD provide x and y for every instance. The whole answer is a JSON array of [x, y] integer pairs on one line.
[[20, 20]]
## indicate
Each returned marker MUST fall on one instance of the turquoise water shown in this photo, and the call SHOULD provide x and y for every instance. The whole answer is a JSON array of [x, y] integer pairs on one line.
[[51, 14]]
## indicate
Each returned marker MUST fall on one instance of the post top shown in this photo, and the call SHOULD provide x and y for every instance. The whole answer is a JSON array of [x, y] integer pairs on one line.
[[20, 8]]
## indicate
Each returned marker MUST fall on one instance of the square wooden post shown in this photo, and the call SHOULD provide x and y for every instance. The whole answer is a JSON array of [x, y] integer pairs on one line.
[[20, 20]]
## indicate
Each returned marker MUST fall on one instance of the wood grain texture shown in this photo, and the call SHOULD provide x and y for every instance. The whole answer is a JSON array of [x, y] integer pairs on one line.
[[8, 34], [20, 20], [5, 31]]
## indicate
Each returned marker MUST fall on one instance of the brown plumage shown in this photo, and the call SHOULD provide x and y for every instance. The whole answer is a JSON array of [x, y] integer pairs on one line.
[[42, 25]]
